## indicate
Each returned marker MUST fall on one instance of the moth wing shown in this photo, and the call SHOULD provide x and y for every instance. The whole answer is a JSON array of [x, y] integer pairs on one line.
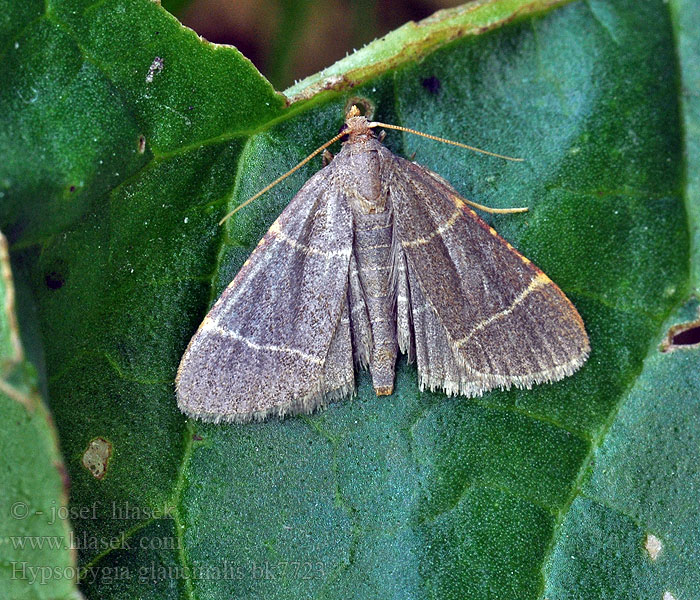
[[277, 341], [490, 313], [438, 367]]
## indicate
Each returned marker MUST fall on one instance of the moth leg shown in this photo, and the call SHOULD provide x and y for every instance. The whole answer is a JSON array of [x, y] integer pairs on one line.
[[326, 158]]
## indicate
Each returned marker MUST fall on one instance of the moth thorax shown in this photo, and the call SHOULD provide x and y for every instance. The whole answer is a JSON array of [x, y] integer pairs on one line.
[[363, 180]]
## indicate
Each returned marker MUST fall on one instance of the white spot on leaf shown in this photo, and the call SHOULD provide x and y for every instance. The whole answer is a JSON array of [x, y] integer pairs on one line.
[[156, 67], [653, 546], [96, 457]]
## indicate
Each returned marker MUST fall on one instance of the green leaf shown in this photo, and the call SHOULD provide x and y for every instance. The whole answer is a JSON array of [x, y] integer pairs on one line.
[[126, 138], [35, 533], [642, 491]]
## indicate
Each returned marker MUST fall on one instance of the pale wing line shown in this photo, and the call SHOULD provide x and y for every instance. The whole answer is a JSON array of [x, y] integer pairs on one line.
[[215, 328], [280, 235], [439, 231], [538, 281]]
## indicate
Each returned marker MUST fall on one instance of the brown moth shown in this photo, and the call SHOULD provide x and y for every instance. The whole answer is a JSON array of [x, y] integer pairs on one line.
[[375, 255]]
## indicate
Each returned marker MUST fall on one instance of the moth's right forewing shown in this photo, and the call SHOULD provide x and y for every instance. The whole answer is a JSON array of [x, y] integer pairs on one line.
[[275, 342], [504, 320]]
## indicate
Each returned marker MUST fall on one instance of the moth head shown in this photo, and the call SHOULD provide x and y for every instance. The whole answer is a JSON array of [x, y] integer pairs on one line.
[[356, 126]]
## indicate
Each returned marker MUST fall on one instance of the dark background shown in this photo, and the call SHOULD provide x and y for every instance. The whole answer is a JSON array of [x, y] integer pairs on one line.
[[291, 39]]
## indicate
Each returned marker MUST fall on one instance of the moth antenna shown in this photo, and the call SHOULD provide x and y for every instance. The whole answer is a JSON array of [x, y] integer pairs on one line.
[[498, 211], [282, 177], [443, 140]]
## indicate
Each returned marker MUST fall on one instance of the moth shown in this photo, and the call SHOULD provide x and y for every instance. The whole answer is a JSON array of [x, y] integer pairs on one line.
[[376, 255]]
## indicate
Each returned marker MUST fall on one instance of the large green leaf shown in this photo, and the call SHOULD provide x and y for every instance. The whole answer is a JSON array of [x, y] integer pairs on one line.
[[126, 138], [36, 560]]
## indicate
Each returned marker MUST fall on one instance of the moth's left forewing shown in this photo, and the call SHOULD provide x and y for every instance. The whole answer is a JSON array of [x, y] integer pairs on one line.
[[277, 341], [506, 323]]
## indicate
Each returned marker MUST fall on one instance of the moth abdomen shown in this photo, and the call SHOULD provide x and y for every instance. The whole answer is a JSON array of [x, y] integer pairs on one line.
[[373, 249]]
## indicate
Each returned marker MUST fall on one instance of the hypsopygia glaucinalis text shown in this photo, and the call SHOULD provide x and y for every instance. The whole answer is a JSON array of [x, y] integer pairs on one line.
[[375, 255]]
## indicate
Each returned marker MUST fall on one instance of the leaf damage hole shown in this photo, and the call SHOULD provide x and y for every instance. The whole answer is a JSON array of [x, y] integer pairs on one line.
[[683, 335], [142, 144], [653, 546], [432, 84], [96, 457], [54, 280]]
